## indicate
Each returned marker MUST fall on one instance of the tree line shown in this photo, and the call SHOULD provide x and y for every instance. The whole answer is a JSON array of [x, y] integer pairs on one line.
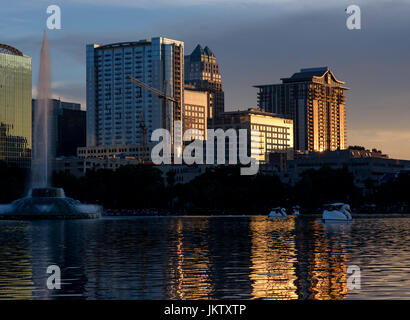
[[220, 189]]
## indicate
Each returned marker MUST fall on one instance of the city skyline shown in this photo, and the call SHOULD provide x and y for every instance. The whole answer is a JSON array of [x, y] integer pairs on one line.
[[372, 61]]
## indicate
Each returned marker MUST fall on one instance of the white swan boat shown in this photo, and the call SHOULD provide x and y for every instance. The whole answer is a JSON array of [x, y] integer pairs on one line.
[[337, 212], [278, 213]]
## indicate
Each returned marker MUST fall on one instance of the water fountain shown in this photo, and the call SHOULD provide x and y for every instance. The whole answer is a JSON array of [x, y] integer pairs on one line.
[[43, 201], [40, 169]]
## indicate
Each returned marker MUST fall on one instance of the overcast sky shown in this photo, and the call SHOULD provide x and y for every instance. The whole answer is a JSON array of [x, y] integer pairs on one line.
[[255, 42]]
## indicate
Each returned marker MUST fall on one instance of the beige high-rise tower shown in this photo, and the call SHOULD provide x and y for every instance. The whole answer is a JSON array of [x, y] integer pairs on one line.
[[315, 100]]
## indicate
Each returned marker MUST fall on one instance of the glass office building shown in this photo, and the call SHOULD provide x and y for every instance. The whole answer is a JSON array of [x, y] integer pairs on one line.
[[15, 107]]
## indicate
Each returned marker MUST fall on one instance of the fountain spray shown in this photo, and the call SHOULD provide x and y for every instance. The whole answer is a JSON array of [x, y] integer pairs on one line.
[[41, 161]]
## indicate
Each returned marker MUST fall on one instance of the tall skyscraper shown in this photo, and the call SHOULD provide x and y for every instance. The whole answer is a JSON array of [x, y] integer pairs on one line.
[[315, 100], [202, 71], [116, 107], [15, 107]]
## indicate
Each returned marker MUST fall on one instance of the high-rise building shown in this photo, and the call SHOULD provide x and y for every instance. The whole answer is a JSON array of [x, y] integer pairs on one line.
[[15, 107], [315, 100], [116, 107], [195, 116], [267, 133], [67, 127], [202, 71]]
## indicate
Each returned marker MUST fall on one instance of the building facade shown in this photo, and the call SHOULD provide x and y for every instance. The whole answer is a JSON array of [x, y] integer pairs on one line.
[[116, 108], [274, 133], [202, 71], [67, 127], [71, 131], [365, 165], [131, 152], [315, 100], [195, 116], [15, 107], [78, 167]]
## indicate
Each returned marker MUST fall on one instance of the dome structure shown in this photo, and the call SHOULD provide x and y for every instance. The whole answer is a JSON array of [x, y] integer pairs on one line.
[[6, 49]]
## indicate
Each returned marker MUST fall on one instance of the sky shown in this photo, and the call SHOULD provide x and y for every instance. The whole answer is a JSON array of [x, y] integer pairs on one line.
[[255, 42]]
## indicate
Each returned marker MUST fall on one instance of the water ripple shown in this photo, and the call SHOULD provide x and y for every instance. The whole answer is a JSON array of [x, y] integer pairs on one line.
[[205, 258]]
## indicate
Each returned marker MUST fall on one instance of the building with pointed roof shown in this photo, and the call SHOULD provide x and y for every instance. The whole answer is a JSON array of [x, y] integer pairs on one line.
[[315, 100], [202, 71]]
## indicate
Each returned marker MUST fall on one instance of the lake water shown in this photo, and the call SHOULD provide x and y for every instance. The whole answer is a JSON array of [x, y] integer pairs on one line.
[[205, 258]]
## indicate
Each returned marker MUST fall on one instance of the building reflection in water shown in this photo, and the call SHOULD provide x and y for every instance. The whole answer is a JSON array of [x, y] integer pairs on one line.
[[56, 243], [15, 263], [189, 263], [222, 258], [209, 258], [296, 259], [273, 258], [175, 258], [321, 261]]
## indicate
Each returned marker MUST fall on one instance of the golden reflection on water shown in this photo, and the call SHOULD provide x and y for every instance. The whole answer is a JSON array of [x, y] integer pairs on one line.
[[189, 264], [15, 266], [288, 264], [327, 260], [205, 258], [273, 250]]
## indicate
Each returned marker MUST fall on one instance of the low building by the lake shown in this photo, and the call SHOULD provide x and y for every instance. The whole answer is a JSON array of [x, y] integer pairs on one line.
[[172, 173], [365, 165]]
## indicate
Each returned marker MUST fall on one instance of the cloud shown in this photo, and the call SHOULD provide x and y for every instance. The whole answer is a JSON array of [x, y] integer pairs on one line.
[[66, 91], [191, 3], [163, 4]]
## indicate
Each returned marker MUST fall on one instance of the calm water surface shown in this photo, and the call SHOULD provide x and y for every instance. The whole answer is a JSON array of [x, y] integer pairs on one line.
[[205, 258]]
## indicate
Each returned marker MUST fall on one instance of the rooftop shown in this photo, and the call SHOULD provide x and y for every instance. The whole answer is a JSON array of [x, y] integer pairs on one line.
[[199, 51], [6, 49], [124, 44], [255, 111], [308, 75], [136, 43]]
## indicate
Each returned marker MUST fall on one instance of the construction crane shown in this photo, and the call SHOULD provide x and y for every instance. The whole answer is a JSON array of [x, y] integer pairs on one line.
[[161, 95], [144, 136]]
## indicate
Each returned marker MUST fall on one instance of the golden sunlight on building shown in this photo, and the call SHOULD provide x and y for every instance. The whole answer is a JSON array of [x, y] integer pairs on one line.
[[195, 112], [268, 132], [316, 102]]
